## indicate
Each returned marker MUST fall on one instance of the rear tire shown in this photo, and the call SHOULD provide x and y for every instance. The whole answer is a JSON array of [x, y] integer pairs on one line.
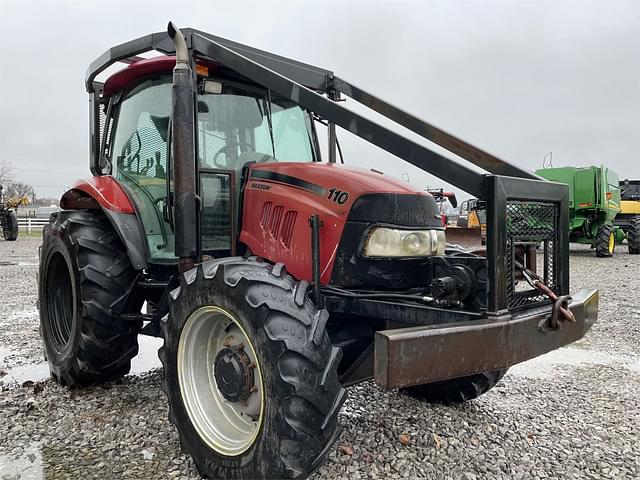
[[295, 363], [10, 232], [85, 279], [605, 241], [457, 390], [633, 236]]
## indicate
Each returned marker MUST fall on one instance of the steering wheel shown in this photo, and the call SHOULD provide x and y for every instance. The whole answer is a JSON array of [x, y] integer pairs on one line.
[[225, 150]]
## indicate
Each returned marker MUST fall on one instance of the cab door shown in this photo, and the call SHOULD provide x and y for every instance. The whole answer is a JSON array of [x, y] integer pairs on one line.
[[139, 156]]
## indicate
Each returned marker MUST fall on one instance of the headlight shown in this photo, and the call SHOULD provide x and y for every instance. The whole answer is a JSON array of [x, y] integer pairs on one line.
[[391, 242]]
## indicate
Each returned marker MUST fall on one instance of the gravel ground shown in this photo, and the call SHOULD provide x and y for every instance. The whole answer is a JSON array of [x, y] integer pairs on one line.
[[574, 413]]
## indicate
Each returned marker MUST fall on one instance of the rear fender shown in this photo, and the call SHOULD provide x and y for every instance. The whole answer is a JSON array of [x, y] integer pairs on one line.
[[106, 194]]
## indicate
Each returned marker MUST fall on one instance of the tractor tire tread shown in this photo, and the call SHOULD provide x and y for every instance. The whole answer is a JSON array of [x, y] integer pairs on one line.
[[295, 329], [105, 345], [602, 241], [10, 233], [633, 235], [457, 390]]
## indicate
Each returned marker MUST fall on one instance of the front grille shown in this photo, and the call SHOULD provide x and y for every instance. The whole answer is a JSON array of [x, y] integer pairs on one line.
[[532, 224], [266, 215], [276, 218], [278, 223], [286, 232]]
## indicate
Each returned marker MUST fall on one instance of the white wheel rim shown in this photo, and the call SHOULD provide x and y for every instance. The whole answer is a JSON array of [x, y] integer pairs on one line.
[[228, 428]]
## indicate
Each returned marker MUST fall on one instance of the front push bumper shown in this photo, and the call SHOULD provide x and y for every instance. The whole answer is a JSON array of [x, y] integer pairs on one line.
[[417, 355]]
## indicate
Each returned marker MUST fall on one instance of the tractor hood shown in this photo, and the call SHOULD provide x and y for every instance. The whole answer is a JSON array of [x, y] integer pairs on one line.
[[279, 199], [335, 186]]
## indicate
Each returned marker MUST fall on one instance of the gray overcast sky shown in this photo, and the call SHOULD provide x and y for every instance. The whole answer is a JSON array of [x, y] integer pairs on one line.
[[518, 79]]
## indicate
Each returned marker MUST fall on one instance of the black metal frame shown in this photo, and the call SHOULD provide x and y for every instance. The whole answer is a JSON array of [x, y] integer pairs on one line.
[[95, 143], [307, 85], [304, 84], [498, 191]]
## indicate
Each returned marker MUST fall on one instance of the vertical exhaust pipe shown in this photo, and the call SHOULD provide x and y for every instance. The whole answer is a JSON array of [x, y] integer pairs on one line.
[[183, 151]]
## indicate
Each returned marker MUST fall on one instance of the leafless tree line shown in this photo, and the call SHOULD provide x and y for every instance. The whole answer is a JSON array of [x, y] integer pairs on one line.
[[11, 187]]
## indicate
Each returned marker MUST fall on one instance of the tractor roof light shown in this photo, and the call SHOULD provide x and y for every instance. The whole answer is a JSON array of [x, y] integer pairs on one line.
[[384, 242]]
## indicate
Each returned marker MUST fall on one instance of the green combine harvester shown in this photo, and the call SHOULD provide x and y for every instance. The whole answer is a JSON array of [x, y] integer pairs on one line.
[[594, 202]]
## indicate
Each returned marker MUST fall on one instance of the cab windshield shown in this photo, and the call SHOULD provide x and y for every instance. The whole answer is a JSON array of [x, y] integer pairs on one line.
[[237, 128]]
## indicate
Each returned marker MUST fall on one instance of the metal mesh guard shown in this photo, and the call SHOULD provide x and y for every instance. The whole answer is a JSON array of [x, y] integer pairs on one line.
[[531, 223]]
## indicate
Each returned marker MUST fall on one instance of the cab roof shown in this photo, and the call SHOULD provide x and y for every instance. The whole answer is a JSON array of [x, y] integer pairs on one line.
[[312, 77], [136, 70], [143, 68]]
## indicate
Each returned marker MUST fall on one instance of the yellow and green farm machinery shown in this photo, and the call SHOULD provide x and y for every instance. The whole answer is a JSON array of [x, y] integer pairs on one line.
[[629, 217], [594, 208]]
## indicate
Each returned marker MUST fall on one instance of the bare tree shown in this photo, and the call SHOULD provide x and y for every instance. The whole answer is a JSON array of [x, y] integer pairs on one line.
[[19, 190], [6, 173]]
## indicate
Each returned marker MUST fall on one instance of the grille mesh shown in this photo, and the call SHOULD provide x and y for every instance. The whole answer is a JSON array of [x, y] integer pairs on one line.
[[531, 223]]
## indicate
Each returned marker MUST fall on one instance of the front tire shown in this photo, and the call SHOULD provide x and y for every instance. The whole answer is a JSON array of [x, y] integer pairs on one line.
[[633, 236], [85, 279], [605, 241], [283, 375], [10, 232], [457, 390]]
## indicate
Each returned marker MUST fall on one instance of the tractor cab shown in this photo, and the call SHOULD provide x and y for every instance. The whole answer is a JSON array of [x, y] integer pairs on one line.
[[237, 124]]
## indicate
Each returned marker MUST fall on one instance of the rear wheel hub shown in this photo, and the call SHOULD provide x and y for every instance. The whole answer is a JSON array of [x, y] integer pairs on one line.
[[233, 374]]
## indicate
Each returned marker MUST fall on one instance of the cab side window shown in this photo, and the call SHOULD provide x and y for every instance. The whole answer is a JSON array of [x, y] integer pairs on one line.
[[139, 157], [140, 143]]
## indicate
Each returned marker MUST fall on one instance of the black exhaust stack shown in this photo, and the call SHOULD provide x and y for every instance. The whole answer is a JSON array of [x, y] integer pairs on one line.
[[183, 150]]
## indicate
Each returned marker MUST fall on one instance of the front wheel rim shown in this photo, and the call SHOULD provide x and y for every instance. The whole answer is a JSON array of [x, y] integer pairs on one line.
[[612, 242], [229, 427]]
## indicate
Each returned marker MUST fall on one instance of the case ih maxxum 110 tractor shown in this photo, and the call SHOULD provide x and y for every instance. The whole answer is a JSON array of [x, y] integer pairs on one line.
[[278, 278]]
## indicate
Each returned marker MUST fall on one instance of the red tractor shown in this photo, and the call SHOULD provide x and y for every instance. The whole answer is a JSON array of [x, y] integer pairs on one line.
[[278, 279]]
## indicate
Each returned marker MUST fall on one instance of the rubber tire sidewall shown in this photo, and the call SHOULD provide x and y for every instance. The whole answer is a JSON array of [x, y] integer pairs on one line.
[[456, 390], [64, 360], [194, 444], [602, 241], [96, 351], [11, 232], [633, 236], [263, 458]]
